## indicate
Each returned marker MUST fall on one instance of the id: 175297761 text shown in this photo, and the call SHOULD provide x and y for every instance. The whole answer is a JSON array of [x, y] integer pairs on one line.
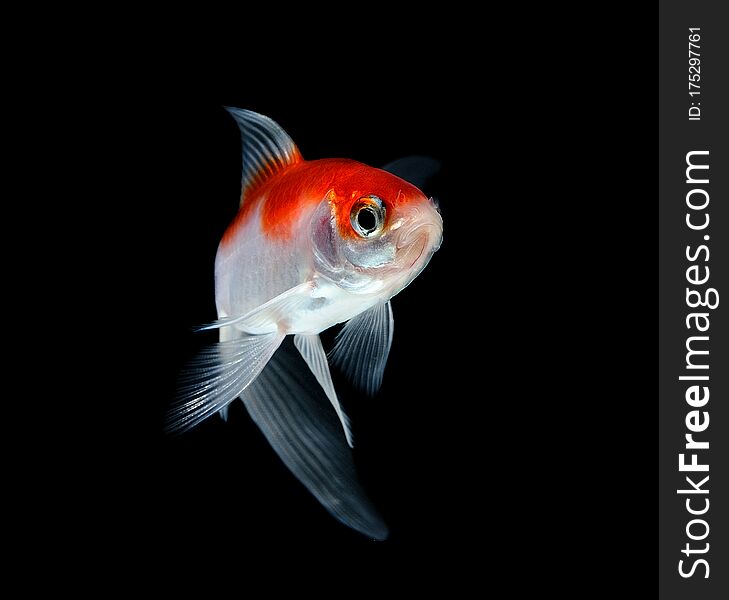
[[694, 73]]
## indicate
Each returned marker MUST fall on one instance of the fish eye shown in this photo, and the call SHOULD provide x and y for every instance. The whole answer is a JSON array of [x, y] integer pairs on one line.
[[368, 216]]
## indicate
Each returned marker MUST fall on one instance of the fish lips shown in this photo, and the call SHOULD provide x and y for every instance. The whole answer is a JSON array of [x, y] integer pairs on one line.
[[417, 244]]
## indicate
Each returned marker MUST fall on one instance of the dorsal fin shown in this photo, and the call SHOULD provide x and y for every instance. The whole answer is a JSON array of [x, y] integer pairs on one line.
[[415, 169], [266, 147]]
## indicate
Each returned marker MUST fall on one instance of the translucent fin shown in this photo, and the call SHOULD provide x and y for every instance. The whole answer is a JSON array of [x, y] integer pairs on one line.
[[362, 346], [217, 376], [223, 412], [296, 298], [290, 408], [311, 349], [266, 148], [415, 169]]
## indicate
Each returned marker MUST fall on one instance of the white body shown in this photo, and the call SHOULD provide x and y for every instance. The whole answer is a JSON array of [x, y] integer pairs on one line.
[[251, 270]]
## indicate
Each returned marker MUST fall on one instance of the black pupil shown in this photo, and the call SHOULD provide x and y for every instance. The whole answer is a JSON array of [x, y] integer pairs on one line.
[[367, 220]]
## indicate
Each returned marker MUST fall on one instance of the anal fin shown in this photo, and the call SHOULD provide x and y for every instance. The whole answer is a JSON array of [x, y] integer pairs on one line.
[[288, 405]]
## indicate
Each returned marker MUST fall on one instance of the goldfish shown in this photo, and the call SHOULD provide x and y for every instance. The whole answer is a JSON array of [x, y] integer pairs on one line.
[[314, 244]]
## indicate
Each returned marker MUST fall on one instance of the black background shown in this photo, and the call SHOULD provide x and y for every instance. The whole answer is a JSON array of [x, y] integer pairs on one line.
[[419, 441], [502, 446], [396, 456]]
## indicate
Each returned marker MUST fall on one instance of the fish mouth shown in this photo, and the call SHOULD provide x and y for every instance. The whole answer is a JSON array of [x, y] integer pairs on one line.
[[414, 250], [412, 247]]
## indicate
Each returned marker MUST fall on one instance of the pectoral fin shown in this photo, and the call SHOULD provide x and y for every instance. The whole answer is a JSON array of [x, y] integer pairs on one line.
[[363, 345], [296, 298]]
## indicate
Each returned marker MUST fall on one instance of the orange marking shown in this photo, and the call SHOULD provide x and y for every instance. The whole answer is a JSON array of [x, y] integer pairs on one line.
[[290, 190]]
